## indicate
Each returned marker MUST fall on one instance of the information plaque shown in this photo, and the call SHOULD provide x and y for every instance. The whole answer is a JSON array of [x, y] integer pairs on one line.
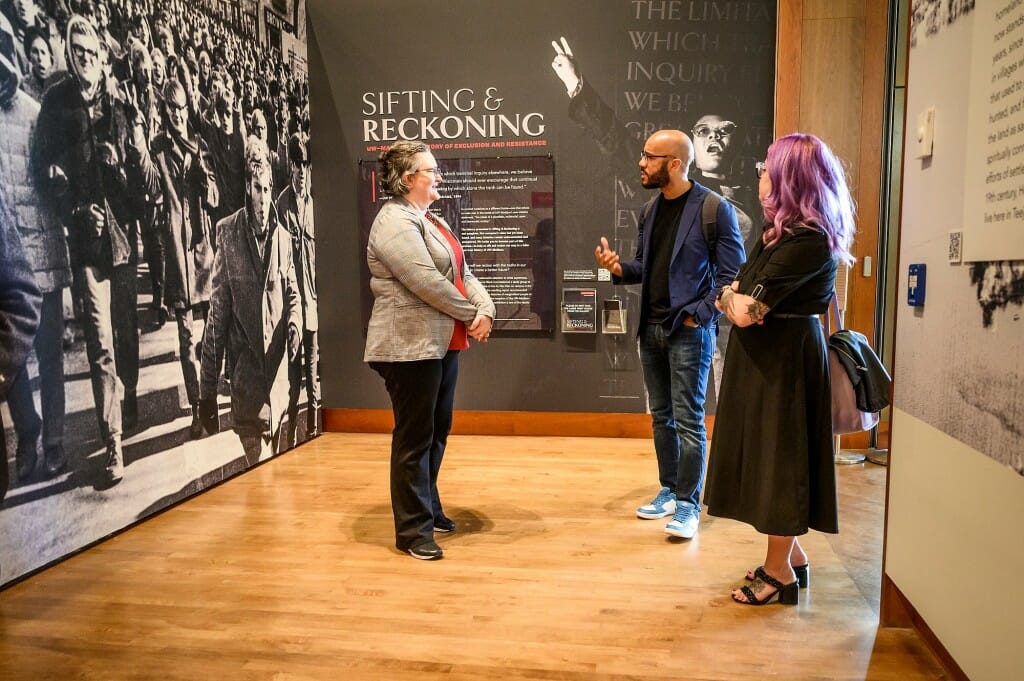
[[502, 211]]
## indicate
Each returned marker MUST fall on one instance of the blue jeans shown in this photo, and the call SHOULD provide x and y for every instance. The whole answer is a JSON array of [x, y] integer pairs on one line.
[[676, 376]]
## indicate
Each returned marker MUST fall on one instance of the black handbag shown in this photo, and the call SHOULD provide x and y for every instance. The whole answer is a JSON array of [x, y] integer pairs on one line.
[[860, 383]]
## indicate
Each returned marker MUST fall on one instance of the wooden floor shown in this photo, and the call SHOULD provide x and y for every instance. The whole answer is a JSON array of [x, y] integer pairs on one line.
[[289, 572]]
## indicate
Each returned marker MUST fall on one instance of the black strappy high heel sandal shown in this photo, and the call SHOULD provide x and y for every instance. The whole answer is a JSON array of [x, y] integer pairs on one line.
[[803, 574], [789, 594]]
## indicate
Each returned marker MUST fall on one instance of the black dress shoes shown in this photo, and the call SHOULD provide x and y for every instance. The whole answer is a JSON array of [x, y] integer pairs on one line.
[[426, 551], [54, 458], [25, 458], [115, 463], [443, 523]]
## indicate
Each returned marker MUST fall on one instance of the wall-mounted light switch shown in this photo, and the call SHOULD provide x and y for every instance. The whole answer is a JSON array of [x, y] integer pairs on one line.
[[925, 132]]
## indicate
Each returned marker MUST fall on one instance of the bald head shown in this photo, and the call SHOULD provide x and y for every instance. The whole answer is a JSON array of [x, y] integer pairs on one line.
[[675, 143], [665, 162]]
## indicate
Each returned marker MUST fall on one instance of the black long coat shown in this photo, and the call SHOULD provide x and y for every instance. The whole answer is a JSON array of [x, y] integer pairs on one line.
[[187, 184]]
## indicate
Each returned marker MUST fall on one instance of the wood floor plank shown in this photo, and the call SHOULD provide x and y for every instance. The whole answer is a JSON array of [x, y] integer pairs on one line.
[[289, 572]]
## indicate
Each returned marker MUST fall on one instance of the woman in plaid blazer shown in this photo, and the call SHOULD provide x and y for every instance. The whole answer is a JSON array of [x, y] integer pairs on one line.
[[427, 304]]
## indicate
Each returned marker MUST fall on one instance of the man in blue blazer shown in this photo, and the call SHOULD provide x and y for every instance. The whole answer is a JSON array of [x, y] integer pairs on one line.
[[680, 275]]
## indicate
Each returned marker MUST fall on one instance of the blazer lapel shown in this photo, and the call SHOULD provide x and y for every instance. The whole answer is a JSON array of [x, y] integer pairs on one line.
[[690, 217], [648, 231], [432, 233]]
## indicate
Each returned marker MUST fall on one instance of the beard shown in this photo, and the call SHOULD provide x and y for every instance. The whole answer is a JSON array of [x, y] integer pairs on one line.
[[657, 179]]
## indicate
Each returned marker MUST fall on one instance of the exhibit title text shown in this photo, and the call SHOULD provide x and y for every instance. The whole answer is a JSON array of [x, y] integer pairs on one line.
[[463, 113]]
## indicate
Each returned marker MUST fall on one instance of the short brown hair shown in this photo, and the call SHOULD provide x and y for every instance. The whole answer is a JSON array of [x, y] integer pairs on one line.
[[396, 162]]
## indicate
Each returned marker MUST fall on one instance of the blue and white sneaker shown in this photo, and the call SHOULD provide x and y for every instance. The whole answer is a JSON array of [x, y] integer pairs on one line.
[[662, 505], [684, 522]]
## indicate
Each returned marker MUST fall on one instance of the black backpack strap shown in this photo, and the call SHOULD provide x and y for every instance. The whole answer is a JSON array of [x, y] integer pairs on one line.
[[709, 221]]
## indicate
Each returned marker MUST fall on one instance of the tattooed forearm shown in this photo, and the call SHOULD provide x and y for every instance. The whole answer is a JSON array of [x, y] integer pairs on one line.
[[726, 302], [741, 309], [757, 310]]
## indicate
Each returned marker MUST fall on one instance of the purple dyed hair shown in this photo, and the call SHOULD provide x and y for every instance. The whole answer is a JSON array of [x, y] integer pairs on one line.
[[808, 188]]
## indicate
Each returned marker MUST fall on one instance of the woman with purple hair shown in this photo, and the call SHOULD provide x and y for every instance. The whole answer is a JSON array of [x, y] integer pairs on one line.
[[771, 462]]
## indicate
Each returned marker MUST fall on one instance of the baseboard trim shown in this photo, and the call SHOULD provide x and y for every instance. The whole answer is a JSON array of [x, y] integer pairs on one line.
[[898, 611], [543, 423]]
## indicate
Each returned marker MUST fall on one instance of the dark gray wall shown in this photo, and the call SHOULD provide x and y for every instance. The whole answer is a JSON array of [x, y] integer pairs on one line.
[[356, 47]]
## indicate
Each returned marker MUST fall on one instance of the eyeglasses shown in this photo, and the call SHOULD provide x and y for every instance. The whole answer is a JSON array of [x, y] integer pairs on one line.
[[644, 156], [760, 168], [436, 172], [723, 130], [81, 52]]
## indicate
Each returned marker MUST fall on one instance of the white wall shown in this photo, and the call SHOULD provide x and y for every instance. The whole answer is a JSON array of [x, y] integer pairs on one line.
[[954, 543], [954, 547]]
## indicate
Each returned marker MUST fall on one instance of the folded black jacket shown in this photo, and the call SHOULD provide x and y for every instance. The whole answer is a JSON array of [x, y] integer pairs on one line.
[[871, 381]]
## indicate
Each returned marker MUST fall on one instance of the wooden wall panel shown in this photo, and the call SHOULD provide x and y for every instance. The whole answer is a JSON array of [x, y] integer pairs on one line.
[[832, 85], [570, 424], [861, 306], [831, 108], [842, 99], [834, 9], [788, 56]]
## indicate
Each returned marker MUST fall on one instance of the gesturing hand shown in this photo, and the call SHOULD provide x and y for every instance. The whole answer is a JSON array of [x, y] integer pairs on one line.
[[607, 258], [564, 65]]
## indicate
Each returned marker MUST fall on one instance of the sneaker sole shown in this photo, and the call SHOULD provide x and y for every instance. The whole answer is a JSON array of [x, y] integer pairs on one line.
[[652, 515], [420, 557], [679, 533]]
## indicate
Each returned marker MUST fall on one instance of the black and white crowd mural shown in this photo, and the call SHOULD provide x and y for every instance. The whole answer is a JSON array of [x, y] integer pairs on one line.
[[154, 166], [929, 17]]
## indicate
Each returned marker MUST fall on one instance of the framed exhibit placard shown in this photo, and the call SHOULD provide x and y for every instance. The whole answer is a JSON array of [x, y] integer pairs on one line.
[[502, 211]]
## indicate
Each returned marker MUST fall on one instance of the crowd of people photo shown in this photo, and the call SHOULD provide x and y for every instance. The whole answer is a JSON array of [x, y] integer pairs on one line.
[[154, 166]]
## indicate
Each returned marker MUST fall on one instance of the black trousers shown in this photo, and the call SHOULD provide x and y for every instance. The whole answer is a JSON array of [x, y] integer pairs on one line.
[[422, 397]]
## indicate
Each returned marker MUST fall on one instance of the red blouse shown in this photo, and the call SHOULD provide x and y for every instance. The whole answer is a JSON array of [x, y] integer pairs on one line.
[[460, 338]]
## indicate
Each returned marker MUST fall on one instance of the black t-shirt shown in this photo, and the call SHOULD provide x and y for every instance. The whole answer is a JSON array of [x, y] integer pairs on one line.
[[663, 239]]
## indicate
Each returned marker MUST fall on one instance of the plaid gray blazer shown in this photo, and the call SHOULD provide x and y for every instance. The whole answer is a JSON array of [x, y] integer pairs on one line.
[[412, 279]]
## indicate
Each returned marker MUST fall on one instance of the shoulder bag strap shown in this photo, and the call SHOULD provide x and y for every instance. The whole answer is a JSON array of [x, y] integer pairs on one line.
[[837, 323]]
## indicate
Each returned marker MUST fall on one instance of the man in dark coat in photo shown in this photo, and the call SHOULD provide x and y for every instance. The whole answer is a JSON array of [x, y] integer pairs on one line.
[[85, 157], [255, 314], [295, 206]]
